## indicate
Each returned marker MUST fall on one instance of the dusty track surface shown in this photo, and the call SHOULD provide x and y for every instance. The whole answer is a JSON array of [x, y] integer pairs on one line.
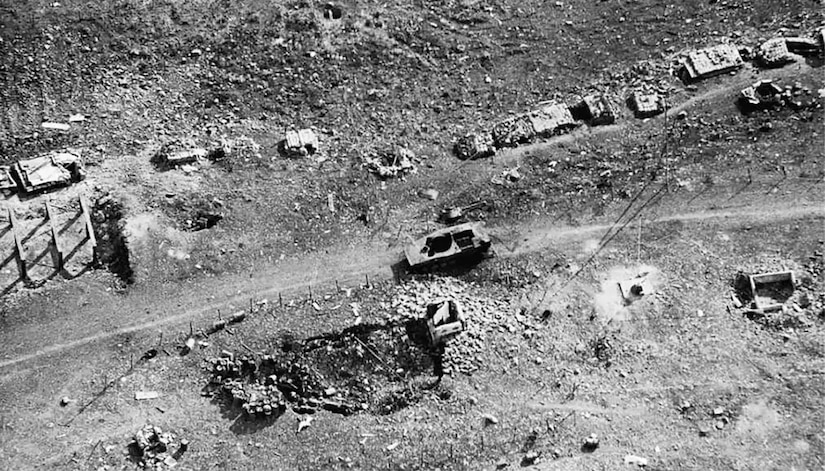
[[530, 239]]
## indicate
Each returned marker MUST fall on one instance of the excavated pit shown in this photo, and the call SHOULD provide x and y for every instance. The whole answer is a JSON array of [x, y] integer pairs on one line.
[[109, 222]]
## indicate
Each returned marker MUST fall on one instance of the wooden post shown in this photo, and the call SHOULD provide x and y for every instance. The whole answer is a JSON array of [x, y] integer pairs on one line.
[[20, 253], [90, 231], [55, 236]]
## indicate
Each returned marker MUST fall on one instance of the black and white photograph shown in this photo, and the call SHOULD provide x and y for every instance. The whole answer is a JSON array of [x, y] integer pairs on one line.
[[412, 235]]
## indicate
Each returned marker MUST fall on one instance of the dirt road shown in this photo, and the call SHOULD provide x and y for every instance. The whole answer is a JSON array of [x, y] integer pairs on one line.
[[298, 276]]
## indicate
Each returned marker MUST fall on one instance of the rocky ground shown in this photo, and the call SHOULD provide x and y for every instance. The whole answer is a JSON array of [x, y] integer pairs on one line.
[[554, 371]]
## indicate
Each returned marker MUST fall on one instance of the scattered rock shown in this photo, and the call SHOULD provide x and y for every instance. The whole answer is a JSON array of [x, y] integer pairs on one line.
[[152, 448], [392, 165]]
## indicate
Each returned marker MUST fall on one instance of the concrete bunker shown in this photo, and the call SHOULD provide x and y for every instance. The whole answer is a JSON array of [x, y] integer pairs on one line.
[[770, 291]]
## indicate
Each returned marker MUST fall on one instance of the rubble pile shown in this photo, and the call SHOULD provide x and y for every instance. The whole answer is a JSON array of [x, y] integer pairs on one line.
[[228, 367], [513, 131], [391, 164], [238, 151], [475, 146], [153, 448], [462, 353], [178, 152], [768, 94], [257, 399], [774, 53], [595, 109], [338, 372]]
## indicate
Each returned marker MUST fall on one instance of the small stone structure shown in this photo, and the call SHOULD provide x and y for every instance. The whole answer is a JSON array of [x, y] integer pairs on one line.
[[771, 290], [300, 143]]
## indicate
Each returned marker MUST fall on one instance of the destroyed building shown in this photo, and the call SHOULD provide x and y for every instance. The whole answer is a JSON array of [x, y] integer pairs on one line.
[[767, 94], [771, 290], [396, 164], [774, 53], [52, 170], [761, 95], [474, 146], [445, 320], [178, 152], [550, 119], [710, 61], [300, 143], [596, 110], [513, 131], [646, 105], [803, 46]]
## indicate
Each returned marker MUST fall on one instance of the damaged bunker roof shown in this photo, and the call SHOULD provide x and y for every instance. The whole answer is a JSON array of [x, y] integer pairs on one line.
[[46, 170], [712, 61]]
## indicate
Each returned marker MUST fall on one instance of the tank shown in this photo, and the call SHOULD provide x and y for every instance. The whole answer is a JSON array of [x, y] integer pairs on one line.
[[449, 245]]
